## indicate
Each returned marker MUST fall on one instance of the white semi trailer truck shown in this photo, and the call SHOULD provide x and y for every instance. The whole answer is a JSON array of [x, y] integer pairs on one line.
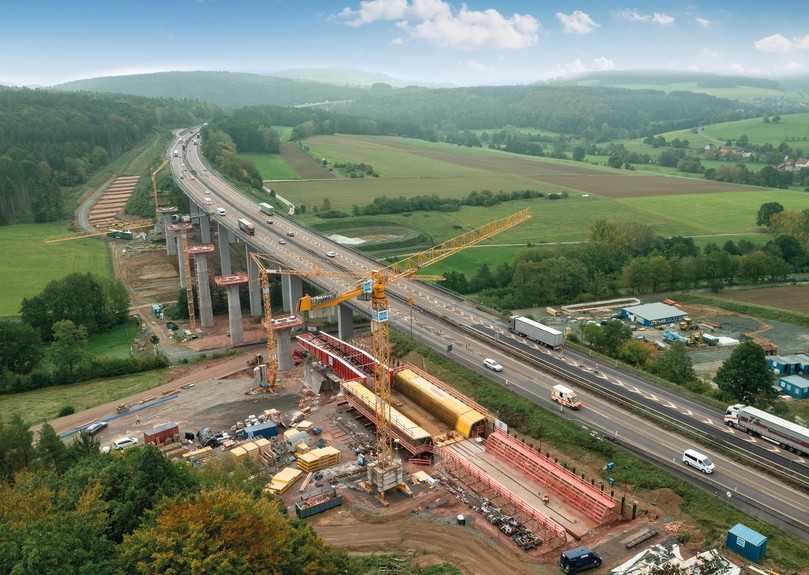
[[790, 436], [537, 332]]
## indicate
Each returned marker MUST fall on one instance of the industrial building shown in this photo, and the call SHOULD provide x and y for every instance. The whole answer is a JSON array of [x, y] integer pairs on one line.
[[794, 385], [789, 364], [654, 314]]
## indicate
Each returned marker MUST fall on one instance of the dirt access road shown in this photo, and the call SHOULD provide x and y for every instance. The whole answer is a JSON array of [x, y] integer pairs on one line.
[[462, 546]]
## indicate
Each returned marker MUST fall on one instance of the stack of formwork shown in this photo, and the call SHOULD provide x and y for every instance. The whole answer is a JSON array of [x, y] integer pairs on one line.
[[198, 456], [587, 498], [318, 459], [283, 481]]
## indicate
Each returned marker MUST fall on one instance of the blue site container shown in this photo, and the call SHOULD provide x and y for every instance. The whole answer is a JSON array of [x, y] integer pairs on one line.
[[265, 430], [749, 544]]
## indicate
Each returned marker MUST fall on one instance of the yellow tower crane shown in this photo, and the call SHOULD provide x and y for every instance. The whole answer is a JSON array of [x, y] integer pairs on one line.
[[386, 473]]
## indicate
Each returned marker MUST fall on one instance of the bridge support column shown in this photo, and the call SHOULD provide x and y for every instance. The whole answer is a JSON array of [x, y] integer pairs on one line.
[[194, 210], [235, 315], [253, 284], [171, 241], [291, 292], [181, 260], [224, 234], [284, 346], [345, 322], [204, 228], [204, 292]]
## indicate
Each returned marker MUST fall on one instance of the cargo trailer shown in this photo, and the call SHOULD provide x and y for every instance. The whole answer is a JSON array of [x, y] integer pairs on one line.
[[319, 503], [161, 434], [265, 430], [537, 332], [247, 226], [788, 435], [267, 208]]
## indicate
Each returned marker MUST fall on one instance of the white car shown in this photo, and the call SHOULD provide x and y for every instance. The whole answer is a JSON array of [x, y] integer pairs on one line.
[[125, 442], [282, 241], [220, 211], [492, 364], [331, 254], [697, 460], [208, 201]]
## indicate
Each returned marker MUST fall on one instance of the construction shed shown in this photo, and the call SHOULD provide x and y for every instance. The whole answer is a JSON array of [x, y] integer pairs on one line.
[[749, 544], [794, 385], [654, 314], [789, 364], [464, 419]]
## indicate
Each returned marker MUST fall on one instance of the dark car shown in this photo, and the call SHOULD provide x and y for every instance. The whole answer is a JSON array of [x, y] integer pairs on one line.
[[172, 326], [96, 427], [579, 559]]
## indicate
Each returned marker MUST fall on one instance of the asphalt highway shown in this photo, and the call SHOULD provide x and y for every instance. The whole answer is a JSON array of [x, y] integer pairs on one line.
[[653, 422]]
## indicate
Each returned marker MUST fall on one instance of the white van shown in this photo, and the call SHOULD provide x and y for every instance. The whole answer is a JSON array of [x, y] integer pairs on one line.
[[698, 460], [220, 211]]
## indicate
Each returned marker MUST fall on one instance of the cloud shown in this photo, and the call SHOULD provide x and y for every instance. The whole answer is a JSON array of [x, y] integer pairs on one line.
[[398, 41], [578, 66], [709, 53], [577, 22], [780, 44], [476, 66], [435, 21], [657, 18], [704, 22]]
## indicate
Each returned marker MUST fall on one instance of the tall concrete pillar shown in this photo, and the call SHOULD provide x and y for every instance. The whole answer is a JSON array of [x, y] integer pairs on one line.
[[291, 292], [181, 260], [194, 210], [204, 228], [345, 322], [204, 292], [171, 241], [224, 250], [234, 315], [254, 283], [284, 353]]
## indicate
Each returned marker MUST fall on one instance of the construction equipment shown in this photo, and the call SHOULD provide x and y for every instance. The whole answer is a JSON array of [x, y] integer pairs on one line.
[[137, 225], [386, 472]]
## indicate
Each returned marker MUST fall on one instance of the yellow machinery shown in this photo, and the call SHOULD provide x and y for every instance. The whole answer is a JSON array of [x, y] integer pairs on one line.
[[123, 226], [373, 288]]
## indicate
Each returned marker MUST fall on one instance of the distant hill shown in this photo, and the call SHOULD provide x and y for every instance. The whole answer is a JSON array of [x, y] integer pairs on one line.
[[340, 77], [745, 88], [226, 89]]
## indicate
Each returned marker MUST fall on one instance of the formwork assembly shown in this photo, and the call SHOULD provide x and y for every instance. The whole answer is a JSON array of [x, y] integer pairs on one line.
[[112, 202]]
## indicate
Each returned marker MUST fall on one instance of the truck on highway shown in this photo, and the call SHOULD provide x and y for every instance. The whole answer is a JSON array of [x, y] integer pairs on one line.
[[788, 435], [536, 331], [565, 396], [266, 208], [247, 226]]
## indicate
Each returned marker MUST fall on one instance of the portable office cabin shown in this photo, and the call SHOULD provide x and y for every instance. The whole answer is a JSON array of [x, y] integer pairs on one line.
[[749, 544], [795, 385], [789, 364]]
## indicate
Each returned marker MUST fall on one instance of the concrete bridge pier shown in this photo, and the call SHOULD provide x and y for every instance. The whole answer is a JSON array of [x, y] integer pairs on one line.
[[254, 282], [225, 237], [291, 292], [200, 254], [171, 241], [231, 283], [345, 322], [283, 344], [204, 228]]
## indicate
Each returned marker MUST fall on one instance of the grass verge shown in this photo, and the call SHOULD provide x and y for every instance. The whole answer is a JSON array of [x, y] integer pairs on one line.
[[42, 404], [114, 343], [712, 515]]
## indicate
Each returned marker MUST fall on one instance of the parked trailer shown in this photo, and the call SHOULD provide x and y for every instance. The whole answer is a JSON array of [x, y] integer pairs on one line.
[[163, 433], [537, 332], [266, 208], [790, 436], [317, 503], [265, 430], [247, 226]]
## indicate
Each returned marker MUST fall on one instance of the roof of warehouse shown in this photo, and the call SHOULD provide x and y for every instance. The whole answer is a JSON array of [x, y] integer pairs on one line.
[[654, 311], [743, 531], [796, 380], [795, 358]]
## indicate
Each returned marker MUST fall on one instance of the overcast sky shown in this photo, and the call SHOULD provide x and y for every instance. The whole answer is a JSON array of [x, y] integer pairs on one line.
[[480, 41]]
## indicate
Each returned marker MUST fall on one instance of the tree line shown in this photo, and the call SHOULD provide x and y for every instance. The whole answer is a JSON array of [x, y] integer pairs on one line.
[[71, 509], [47, 347], [630, 258], [220, 149], [52, 140]]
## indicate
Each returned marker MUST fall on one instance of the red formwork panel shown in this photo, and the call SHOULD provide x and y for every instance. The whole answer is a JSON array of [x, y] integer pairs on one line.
[[342, 366], [359, 358], [594, 503], [550, 531]]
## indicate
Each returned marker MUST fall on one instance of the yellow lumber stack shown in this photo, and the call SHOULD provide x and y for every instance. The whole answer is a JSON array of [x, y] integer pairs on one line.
[[238, 452], [198, 455], [318, 459], [283, 481]]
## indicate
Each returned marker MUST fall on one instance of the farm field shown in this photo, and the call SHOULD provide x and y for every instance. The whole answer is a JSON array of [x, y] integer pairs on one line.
[[790, 298], [272, 166], [790, 126], [41, 404], [27, 263], [709, 211]]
